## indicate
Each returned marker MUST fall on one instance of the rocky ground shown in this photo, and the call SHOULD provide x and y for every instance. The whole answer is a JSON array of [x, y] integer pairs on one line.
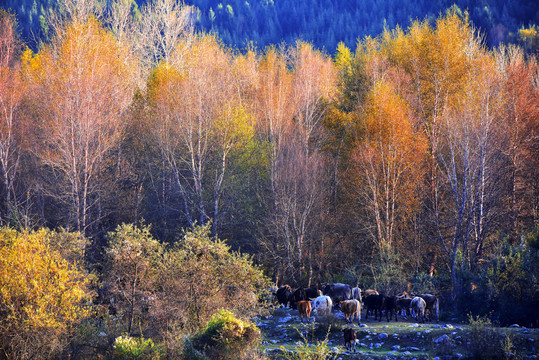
[[284, 332]]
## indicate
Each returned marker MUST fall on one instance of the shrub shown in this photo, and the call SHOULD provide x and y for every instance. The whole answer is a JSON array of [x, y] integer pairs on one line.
[[308, 351], [129, 348], [42, 295], [227, 337], [484, 342]]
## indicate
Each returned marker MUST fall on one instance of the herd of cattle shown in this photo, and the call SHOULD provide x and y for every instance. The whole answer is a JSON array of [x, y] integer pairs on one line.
[[350, 301]]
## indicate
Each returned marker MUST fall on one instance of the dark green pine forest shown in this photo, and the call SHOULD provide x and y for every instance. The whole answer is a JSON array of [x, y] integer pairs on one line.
[[324, 23]]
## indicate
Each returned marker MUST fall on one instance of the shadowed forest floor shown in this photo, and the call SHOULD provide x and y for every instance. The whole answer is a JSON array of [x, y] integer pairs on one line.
[[283, 331]]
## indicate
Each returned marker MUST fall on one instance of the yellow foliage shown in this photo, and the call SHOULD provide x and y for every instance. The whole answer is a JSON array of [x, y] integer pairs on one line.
[[528, 34], [40, 292]]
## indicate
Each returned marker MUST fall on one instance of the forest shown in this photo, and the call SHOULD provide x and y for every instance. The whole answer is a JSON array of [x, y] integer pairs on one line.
[[323, 23], [138, 153]]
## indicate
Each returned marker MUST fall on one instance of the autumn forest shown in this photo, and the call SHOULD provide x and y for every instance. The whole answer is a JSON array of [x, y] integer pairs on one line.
[[408, 163]]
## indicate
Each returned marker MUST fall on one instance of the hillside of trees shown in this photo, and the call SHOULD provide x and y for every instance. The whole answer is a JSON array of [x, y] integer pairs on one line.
[[130, 143], [323, 23]]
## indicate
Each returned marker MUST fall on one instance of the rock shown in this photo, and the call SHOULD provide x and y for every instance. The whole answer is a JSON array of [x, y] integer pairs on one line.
[[363, 345], [514, 326], [531, 340], [425, 332], [377, 345], [286, 319], [102, 333], [273, 341], [442, 339], [436, 358], [413, 348], [413, 325], [406, 353], [363, 325], [395, 347], [448, 326], [436, 326], [454, 333], [382, 336], [459, 355]]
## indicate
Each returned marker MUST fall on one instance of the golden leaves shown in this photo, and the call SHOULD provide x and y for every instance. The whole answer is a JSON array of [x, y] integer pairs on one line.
[[38, 288]]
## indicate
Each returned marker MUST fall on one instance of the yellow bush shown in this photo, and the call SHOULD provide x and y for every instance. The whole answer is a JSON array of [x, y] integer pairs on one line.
[[41, 294]]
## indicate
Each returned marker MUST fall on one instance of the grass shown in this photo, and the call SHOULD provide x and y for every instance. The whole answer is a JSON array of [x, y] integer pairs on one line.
[[287, 335]]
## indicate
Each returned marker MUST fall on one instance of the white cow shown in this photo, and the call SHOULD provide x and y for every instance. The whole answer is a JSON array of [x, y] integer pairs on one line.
[[356, 294], [417, 307], [322, 305]]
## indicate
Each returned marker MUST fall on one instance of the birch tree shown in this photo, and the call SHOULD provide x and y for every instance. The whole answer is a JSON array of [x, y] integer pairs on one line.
[[11, 95], [81, 88]]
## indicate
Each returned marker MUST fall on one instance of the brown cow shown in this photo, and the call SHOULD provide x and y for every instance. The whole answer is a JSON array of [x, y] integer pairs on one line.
[[304, 308], [350, 338], [351, 309]]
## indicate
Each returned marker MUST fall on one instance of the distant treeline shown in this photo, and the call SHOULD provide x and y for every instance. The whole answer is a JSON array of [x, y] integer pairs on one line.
[[324, 23]]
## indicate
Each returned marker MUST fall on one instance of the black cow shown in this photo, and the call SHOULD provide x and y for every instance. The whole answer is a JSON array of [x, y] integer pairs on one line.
[[338, 292], [375, 303], [404, 304], [432, 306], [283, 294], [390, 307], [312, 293], [297, 296]]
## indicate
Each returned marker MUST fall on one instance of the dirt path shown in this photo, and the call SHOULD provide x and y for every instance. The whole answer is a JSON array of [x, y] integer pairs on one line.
[[283, 331]]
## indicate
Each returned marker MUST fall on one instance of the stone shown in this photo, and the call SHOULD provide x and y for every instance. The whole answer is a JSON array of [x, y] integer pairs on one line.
[[448, 326], [285, 319], [377, 345], [395, 347], [382, 336], [442, 339], [514, 326]]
